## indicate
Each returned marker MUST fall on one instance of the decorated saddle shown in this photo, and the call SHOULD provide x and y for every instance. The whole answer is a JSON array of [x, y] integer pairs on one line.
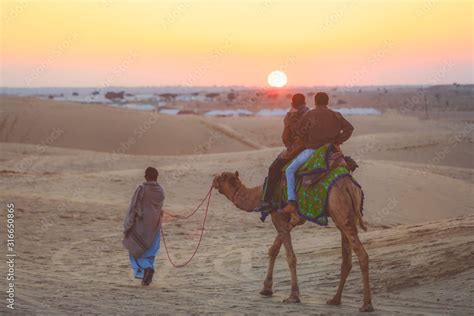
[[315, 179]]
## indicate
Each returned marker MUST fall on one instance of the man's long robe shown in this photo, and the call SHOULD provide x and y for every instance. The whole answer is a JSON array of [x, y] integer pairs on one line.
[[142, 226]]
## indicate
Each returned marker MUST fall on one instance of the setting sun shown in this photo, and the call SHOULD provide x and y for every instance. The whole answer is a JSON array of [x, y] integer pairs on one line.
[[277, 79]]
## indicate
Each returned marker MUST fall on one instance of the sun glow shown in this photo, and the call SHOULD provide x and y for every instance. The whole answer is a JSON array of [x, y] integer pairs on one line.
[[182, 40], [277, 79]]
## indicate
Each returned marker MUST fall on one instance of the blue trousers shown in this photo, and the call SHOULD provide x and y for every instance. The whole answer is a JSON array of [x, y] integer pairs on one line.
[[146, 260], [291, 172]]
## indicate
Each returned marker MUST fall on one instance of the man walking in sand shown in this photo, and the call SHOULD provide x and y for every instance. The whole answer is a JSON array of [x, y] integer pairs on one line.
[[142, 226]]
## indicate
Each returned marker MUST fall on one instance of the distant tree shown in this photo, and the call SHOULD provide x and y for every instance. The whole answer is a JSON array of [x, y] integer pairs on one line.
[[438, 97], [185, 112], [360, 90], [168, 96], [231, 96], [95, 92], [75, 94], [212, 95], [340, 101], [114, 95], [426, 106]]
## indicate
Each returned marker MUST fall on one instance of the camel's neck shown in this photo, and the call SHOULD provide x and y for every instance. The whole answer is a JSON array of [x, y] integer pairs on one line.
[[247, 199]]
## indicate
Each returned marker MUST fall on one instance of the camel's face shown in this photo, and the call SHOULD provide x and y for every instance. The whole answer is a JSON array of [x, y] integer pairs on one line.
[[227, 183]]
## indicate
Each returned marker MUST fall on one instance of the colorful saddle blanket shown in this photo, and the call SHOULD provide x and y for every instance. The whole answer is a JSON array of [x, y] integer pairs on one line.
[[313, 198]]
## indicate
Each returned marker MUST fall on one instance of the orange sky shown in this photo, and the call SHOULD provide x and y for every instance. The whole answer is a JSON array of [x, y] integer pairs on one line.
[[148, 43]]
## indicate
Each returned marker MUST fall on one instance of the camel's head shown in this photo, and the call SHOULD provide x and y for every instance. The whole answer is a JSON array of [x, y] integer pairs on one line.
[[227, 183]]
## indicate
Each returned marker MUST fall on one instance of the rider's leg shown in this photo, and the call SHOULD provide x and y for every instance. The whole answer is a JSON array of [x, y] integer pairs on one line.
[[274, 177], [291, 178]]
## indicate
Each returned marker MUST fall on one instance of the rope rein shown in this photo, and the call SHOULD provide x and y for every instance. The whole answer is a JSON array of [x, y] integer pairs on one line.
[[180, 265]]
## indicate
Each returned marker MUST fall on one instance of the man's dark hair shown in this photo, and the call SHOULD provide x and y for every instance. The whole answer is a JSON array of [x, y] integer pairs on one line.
[[297, 100], [321, 98], [151, 174]]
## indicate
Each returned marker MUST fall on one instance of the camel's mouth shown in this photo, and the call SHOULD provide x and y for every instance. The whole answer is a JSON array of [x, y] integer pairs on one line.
[[215, 183]]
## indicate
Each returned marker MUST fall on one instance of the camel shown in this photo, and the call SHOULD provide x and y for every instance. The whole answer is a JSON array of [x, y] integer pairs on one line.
[[344, 203]]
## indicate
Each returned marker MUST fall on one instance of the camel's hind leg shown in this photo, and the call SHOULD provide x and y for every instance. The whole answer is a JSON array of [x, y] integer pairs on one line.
[[346, 267], [342, 209], [272, 254], [363, 257]]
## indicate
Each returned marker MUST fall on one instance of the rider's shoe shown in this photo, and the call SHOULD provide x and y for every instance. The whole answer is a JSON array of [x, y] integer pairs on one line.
[[291, 207], [265, 207]]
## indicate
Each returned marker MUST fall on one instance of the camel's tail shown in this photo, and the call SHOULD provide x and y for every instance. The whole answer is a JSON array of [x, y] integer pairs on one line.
[[357, 198]]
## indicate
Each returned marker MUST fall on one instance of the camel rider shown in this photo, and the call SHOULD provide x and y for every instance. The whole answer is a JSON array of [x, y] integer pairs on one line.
[[317, 127], [293, 147]]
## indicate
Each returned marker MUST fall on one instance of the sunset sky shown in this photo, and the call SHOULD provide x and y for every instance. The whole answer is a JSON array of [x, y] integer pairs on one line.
[[151, 43]]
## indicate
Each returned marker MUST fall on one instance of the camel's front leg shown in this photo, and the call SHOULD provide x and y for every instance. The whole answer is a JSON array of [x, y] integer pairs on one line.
[[291, 258], [272, 254]]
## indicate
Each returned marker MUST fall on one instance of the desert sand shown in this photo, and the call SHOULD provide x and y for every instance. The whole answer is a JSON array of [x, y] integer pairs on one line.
[[70, 170]]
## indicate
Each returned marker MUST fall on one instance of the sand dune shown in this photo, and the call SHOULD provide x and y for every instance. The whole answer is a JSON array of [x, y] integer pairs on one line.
[[101, 128], [114, 130], [70, 204]]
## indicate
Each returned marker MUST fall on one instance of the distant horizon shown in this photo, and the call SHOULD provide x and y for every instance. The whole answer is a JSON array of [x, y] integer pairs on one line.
[[288, 87]]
